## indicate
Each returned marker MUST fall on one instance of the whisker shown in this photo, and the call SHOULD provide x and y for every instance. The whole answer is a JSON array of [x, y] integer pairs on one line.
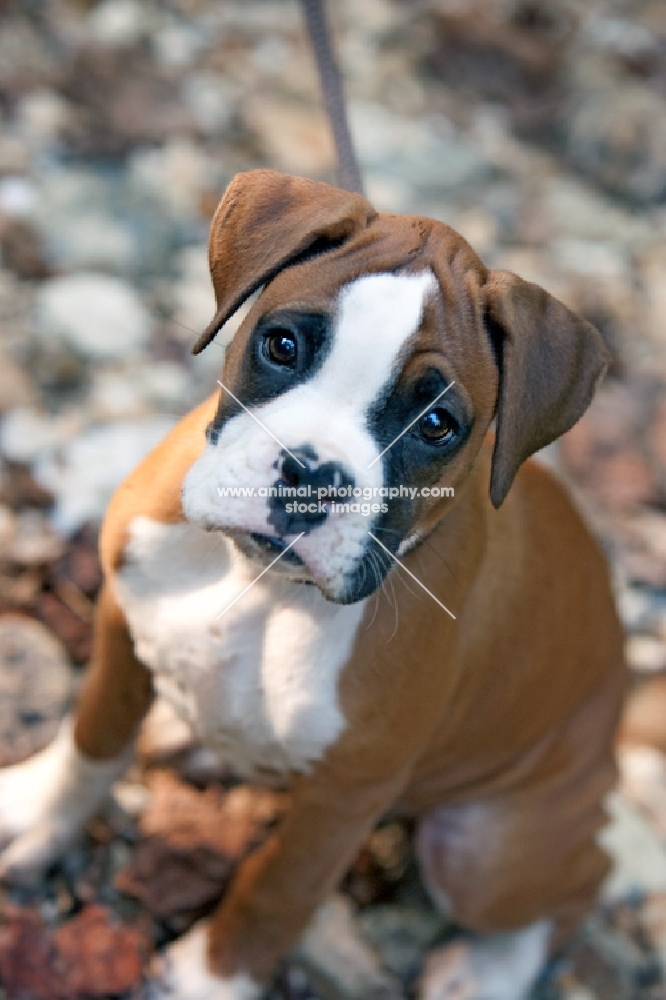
[[172, 319], [392, 598]]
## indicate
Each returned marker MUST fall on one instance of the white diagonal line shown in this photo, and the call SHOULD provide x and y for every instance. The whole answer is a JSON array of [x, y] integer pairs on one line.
[[257, 578], [262, 425], [414, 578], [428, 407]]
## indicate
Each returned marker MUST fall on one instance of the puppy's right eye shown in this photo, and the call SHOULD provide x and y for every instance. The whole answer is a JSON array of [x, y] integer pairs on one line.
[[280, 348]]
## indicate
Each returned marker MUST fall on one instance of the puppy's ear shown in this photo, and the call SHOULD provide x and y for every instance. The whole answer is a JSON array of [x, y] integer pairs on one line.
[[267, 220], [550, 363]]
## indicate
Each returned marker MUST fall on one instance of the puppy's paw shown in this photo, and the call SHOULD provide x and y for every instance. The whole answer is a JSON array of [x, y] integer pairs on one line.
[[181, 973], [492, 967], [44, 803]]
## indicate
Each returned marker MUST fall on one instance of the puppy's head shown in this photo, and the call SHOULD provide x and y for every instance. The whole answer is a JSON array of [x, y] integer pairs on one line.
[[364, 378]]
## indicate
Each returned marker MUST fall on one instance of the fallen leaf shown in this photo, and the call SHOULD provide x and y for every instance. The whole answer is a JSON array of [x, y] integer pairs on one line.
[[99, 954]]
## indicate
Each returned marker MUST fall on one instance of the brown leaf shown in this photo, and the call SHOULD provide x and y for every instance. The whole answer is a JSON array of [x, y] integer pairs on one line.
[[22, 250], [99, 954], [73, 632], [19, 489], [23, 934], [603, 452], [80, 564], [175, 885], [193, 840], [119, 97], [228, 822]]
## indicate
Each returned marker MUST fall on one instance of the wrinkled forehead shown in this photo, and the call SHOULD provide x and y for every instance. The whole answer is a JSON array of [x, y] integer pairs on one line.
[[392, 244], [404, 289]]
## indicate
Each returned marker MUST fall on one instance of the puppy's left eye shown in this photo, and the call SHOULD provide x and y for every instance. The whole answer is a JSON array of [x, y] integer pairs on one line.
[[280, 348], [437, 426]]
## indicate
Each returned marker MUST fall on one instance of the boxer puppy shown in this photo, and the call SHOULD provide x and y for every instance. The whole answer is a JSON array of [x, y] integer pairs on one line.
[[455, 658]]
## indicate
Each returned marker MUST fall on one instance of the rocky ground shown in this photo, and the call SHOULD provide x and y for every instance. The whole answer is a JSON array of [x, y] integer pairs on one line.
[[539, 131]]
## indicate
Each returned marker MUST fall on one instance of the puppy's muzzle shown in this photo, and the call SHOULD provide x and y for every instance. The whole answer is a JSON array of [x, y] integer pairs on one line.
[[304, 489]]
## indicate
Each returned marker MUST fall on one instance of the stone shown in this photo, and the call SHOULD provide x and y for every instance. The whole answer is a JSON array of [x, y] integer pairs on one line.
[[116, 393], [650, 527], [129, 391], [577, 210], [121, 99], [43, 115], [167, 385], [600, 450], [95, 314], [7, 526], [652, 269], [401, 934], [131, 797], [293, 136], [17, 197], [212, 100], [177, 44], [654, 917], [479, 228], [15, 387], [642, 768], [194, 299], [615, 132], [635, 606], [94, 239], [592, 258], [34, 541], [645, 653], [176, 174], [83, 474], [26, 432], [95, 221], [429, 152], [119, 23], [637, 851], [657, 442], [14, 155], [36, 684]]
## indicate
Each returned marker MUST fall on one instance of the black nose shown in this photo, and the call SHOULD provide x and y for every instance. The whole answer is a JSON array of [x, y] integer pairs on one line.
[[301, 468], [299, 503]]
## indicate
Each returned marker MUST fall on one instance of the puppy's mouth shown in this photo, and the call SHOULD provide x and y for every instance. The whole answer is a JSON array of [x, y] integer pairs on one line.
[[272, 547], [266, 549]]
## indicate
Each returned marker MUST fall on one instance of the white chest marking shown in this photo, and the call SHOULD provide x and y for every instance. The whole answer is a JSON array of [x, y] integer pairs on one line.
[[261, 683]]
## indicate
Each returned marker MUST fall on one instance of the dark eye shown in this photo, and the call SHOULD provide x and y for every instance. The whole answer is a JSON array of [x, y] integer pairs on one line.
[[437, 426], [280, 348]]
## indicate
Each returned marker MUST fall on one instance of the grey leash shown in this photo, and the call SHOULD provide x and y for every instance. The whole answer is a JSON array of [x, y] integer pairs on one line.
[[349, 173]]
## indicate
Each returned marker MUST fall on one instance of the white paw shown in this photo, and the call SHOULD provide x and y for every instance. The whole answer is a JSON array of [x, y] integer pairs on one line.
[[45, 802], [181, 973], [489, 967]]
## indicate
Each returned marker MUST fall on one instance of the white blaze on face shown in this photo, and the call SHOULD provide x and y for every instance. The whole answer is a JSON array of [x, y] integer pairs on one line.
[[375, 317]]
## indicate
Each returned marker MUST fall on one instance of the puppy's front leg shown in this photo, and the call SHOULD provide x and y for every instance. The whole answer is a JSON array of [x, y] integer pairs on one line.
[[275, 894], [46, 800]]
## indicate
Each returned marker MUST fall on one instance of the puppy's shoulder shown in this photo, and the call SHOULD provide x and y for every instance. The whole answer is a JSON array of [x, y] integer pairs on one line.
[[153, 489]]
